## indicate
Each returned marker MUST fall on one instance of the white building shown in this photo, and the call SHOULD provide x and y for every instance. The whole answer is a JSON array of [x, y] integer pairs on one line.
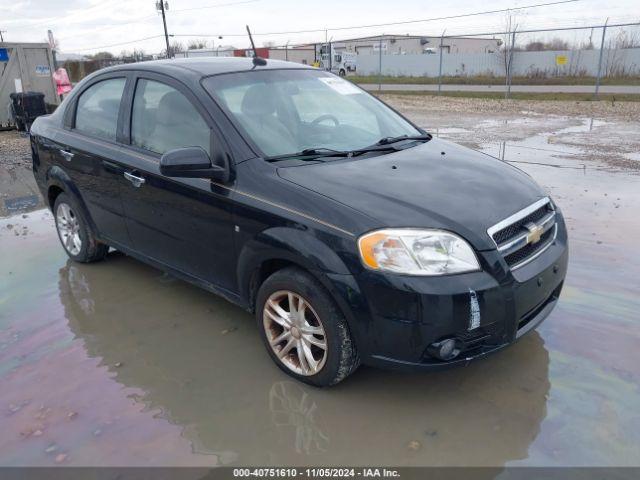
[[417, 44]]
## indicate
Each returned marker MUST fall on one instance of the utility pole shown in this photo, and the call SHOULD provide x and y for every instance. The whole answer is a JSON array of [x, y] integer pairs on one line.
[[440, 67], [161, 4], [509, 73], [326, 46], [380, 64], [604, 33]]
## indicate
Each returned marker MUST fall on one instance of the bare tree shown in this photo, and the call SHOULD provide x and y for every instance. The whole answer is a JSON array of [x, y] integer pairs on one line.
[[535, 46], [138, 54], [197, 44], [505, 54], [615, 64], [557, 44], [553, 44], [626, 39], [101, 56], [174, 47]]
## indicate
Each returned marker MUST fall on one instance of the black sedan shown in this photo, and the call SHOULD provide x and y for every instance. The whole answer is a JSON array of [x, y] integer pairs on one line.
[[353, 234]]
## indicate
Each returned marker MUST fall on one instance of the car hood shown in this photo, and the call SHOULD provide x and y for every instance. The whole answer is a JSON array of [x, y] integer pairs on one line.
[[437, 184]]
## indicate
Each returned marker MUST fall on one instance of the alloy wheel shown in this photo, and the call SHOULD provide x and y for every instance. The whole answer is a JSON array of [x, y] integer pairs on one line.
[[295, 333], [69, 229]]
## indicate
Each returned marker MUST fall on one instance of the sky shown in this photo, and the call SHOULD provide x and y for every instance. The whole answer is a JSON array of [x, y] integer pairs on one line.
[[88, 26]]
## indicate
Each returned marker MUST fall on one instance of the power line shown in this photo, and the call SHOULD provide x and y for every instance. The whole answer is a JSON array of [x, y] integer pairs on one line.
[[121, 43], [110, 5], [205, 7], [585, 27], [484, 34], [406, 22], [149, 17], [389, 24], [52, 21]]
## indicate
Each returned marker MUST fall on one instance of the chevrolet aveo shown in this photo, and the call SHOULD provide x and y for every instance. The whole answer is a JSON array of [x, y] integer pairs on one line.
[[351, 233]]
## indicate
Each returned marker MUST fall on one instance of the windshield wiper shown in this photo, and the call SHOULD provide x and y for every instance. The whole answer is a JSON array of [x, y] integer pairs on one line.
[[320, 152], [312, 153], [388, 140]]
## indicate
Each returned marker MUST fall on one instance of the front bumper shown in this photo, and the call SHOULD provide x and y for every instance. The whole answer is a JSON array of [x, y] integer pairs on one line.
[[395, 318]]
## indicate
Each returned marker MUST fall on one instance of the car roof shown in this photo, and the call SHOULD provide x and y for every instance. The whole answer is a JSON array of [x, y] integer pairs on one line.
[[205, 66]]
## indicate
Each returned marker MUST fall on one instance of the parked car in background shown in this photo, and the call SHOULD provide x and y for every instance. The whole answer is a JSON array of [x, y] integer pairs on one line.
[[352, 234]]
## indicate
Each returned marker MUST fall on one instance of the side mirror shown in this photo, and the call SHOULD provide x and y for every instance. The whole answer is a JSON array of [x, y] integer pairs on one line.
[[191, 162]]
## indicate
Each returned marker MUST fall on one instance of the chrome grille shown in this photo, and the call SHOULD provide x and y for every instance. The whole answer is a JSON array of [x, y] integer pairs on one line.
[[525, 234]]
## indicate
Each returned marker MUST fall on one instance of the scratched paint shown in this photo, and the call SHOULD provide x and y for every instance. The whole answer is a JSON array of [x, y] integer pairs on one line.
[[118, 364], [474, 310]]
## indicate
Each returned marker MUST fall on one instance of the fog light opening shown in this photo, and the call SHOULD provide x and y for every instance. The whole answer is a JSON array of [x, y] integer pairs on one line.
[[446, 349]]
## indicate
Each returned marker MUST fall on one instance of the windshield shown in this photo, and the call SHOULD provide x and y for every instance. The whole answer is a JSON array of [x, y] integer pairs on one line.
[[288, 111]]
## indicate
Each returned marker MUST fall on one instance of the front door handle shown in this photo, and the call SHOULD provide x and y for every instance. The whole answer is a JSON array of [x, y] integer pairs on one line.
[[66, 155], [135, 181]]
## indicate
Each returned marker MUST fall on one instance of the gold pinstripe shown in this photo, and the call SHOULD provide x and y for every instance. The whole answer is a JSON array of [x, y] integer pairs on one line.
[[239, 192]]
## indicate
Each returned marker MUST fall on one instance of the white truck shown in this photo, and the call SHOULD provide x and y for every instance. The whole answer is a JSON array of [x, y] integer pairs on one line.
[[341, 62]]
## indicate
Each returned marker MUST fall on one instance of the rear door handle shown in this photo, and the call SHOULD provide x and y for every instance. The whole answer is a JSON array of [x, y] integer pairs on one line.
[[135, 181], [66, 155]]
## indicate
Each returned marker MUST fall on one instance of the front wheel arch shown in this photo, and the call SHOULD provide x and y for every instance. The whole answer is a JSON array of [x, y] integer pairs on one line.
[[279, 247]]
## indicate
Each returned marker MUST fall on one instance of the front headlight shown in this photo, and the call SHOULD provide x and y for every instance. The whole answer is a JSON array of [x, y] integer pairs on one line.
[[417, 252]]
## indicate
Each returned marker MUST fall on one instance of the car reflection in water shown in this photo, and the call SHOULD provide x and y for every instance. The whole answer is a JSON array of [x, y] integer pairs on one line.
[[200, 362]]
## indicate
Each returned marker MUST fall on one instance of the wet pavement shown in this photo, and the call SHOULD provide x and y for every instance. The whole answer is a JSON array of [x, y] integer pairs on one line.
[[116, 363]]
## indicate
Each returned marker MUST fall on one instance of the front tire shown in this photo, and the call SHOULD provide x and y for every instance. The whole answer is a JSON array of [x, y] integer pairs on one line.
[[303, 330], [74, 232]]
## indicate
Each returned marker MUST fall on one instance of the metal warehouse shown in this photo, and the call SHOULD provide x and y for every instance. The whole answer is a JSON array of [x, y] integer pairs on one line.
[[417, 44]]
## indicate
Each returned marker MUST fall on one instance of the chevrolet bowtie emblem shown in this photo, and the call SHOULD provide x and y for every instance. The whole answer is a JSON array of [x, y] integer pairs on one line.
[[535, 232]]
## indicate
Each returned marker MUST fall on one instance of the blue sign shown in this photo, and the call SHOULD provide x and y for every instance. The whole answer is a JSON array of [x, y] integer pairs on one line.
[[4, 55], [43, 70]]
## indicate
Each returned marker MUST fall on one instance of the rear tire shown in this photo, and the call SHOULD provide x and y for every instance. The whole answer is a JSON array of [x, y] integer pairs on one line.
[[74, 232], [294, 335]]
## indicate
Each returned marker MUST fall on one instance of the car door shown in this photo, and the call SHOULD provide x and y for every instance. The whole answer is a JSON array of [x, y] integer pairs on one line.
[[87, 148], [184, 223]]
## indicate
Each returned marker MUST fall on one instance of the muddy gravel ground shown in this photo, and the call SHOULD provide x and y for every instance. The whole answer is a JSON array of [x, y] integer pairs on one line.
[[14, 149], [116, 363], [597, 131]]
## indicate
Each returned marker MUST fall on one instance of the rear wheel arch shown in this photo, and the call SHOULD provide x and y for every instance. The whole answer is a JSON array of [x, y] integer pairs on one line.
[[76, 235], [59, 182], [52, 193]]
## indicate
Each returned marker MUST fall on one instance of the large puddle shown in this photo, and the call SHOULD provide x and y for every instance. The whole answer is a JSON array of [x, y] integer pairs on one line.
[[116, 363]]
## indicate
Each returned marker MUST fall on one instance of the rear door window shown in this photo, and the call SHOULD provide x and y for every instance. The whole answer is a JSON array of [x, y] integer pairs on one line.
[[98, 107], [164, 119]]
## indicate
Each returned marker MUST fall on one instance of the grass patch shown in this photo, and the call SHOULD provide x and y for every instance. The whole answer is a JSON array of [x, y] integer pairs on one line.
[[574, 97], [490, 80]]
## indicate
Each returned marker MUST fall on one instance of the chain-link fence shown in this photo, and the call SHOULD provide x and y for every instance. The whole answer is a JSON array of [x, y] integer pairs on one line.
[[588, 60], [593, 59]]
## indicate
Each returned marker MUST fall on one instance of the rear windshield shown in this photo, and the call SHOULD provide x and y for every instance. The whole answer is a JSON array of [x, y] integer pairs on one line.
[[286, 111]]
